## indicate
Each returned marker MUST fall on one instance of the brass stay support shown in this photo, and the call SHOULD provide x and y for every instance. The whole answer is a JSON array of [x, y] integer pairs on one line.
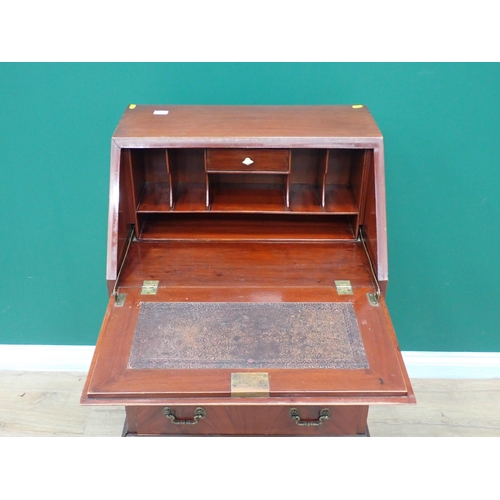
[[373, 298], [120, 297]]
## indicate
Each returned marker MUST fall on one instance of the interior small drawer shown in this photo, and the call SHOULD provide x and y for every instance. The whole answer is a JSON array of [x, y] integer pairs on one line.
[[248, 160]]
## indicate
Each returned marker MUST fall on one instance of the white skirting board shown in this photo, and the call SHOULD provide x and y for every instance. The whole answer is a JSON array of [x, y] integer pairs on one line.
[[419, 364]]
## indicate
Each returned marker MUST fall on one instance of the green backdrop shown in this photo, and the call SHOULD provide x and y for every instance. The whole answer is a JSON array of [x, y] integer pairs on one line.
[[441, 124]]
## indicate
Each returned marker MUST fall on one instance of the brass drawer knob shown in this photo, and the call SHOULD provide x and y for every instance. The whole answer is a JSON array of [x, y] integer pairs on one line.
[[199, 413], [324, 414], [247, 161]]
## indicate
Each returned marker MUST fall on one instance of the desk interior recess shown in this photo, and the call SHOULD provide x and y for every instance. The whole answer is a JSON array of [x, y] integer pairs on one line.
[[167, 182]]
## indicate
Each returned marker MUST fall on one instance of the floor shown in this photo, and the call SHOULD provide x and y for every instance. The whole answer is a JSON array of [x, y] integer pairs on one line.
[[47, 404]]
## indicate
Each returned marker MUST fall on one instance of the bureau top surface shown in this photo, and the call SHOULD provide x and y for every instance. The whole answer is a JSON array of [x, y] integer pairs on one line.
[[250, 126]]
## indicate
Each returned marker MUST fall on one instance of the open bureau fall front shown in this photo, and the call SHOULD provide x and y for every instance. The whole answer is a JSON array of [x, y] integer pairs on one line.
[[247, 270]]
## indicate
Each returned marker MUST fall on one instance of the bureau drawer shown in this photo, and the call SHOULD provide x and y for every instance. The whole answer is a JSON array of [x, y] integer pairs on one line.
[[248, 420], [248, 160]]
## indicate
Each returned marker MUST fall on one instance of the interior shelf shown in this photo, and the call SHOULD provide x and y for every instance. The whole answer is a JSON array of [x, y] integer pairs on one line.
[[190, 197], [218, 226], [246, 198], [155, 198], [306, 199]]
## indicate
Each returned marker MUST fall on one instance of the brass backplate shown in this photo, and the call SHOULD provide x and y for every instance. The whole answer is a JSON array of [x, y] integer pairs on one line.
[[120, 299], [249, 385]]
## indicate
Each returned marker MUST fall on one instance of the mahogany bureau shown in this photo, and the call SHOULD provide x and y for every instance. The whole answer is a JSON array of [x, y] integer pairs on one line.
[[247, 270]]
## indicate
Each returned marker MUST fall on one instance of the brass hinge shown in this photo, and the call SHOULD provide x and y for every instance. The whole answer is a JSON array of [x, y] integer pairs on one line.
[[149, 287], [343, 287]]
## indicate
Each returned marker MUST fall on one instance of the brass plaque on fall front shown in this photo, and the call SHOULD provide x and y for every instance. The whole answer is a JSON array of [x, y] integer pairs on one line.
[[247, 385], [191, 335]]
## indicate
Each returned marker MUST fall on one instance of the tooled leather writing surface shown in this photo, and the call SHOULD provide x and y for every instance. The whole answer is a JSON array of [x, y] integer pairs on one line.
[[247, 335]]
